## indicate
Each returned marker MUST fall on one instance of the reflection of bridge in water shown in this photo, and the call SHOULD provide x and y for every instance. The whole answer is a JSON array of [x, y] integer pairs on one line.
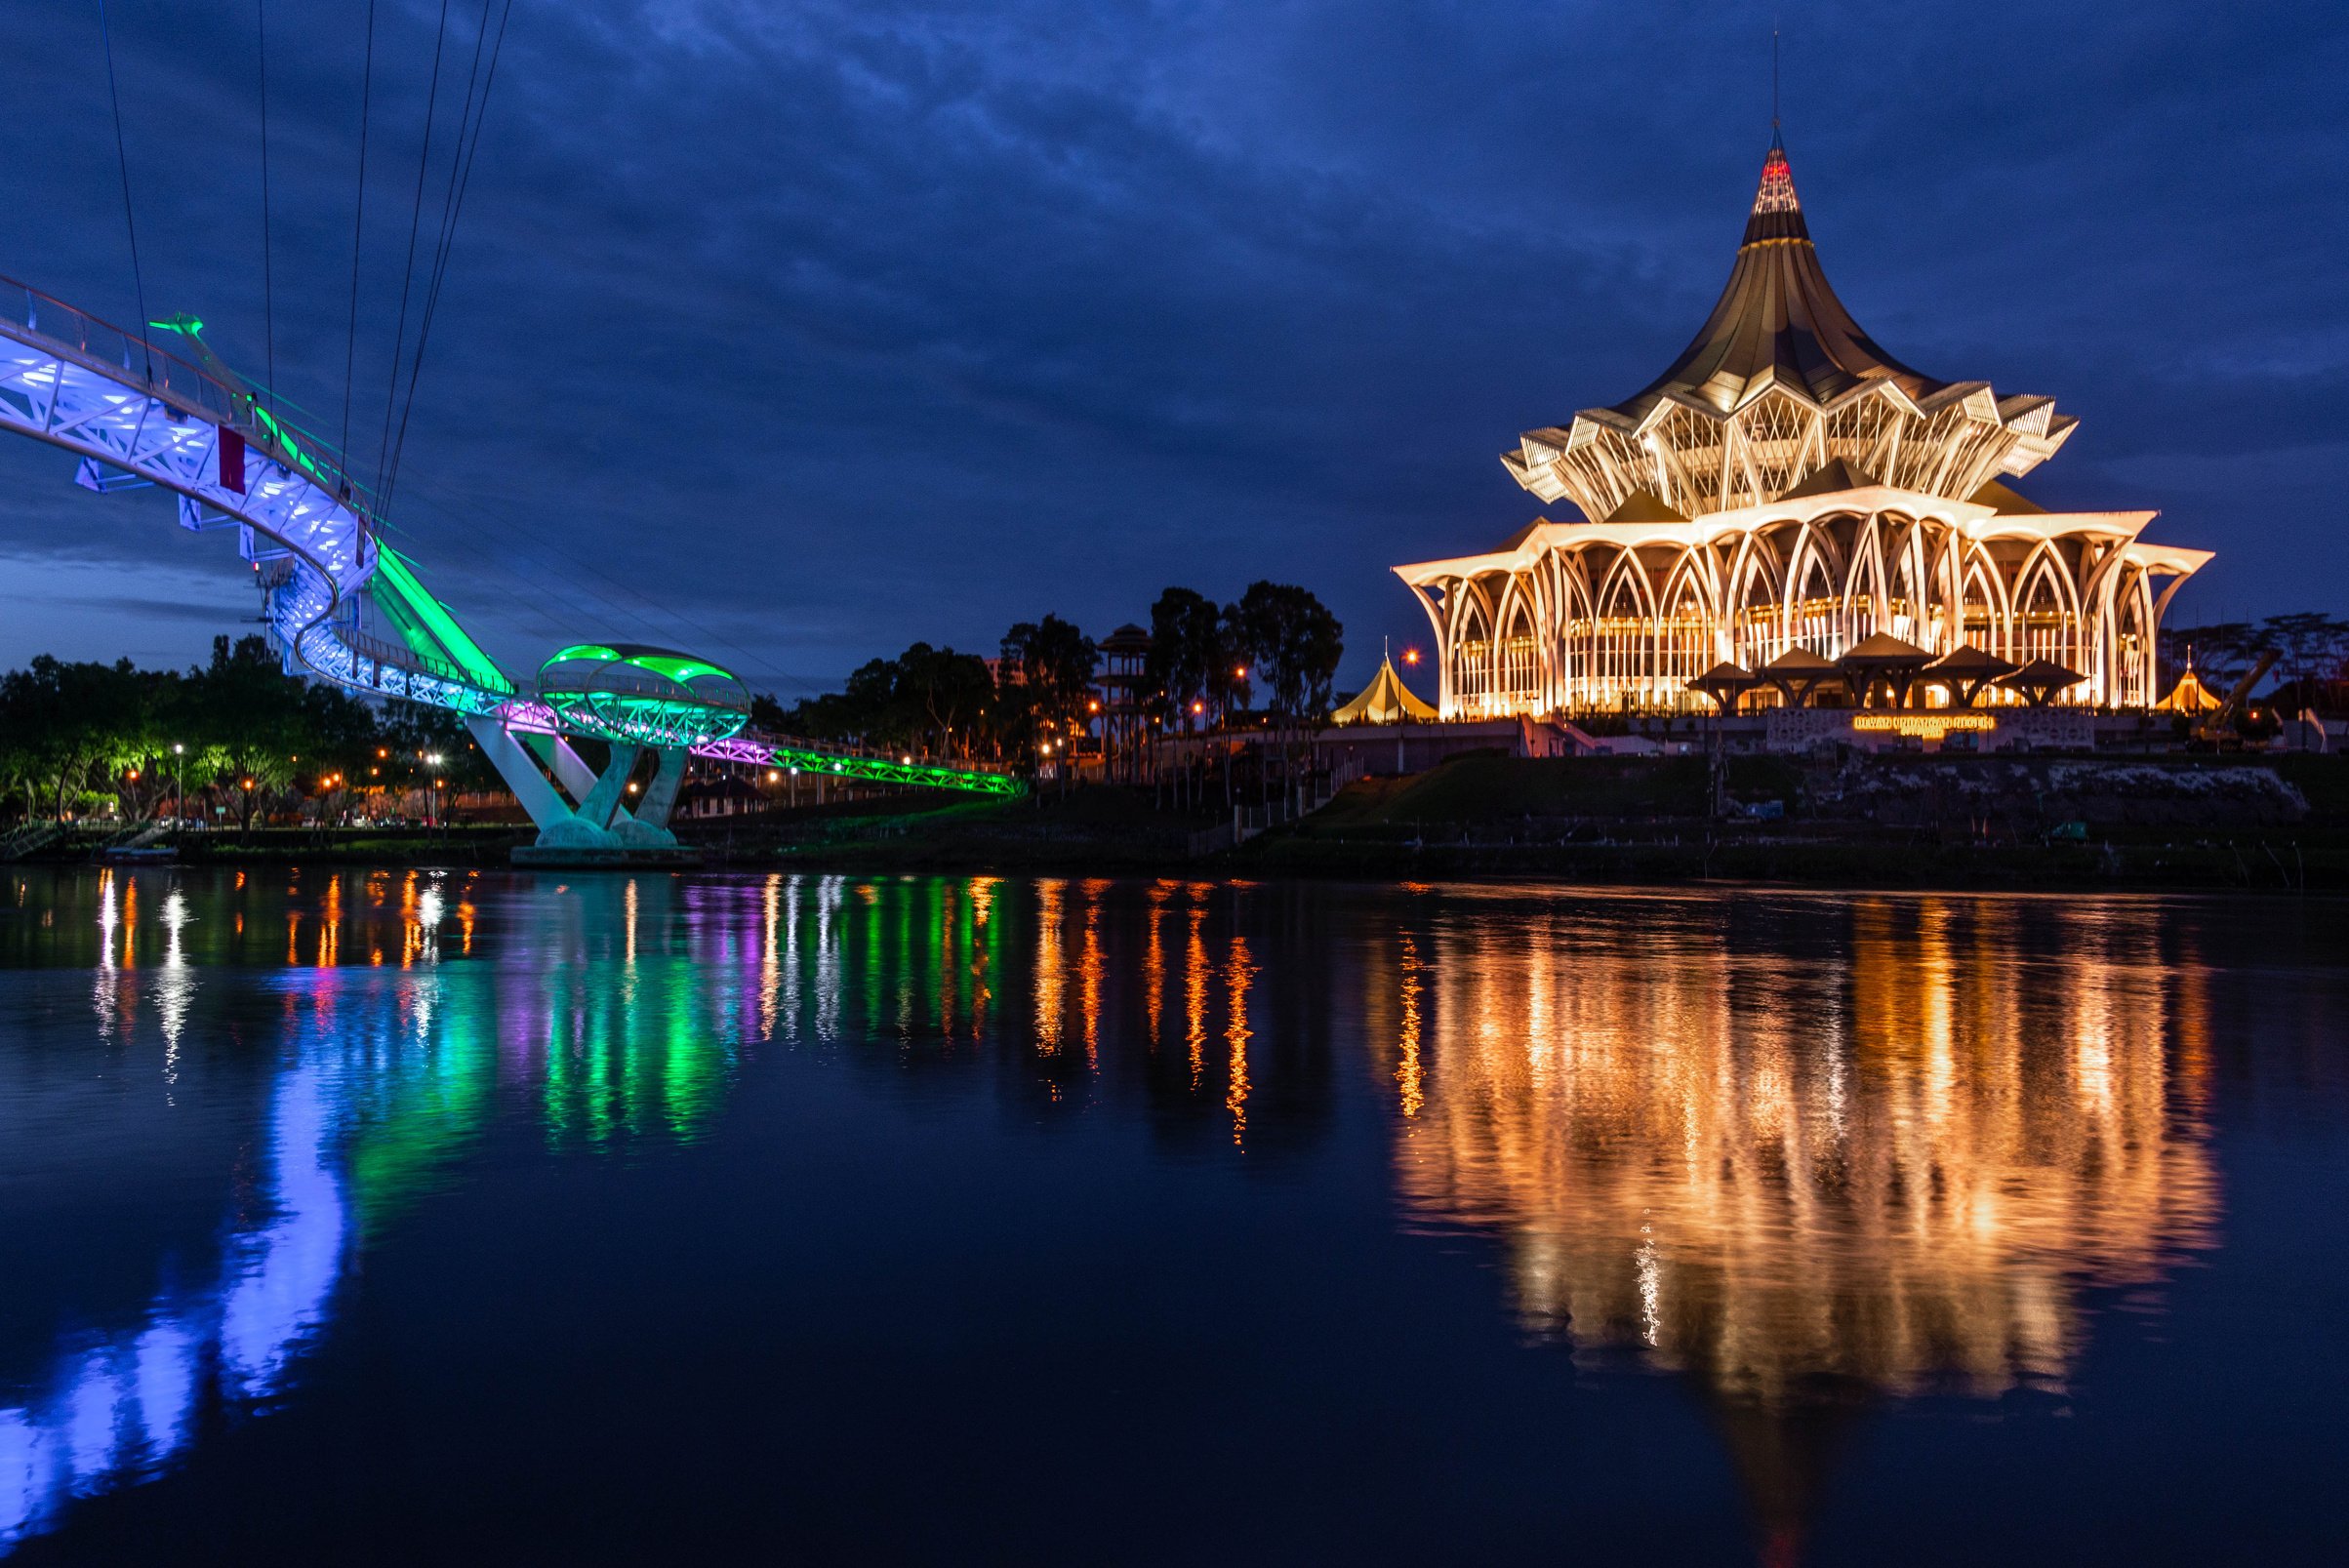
[[404, 1013], [1888, 1167]]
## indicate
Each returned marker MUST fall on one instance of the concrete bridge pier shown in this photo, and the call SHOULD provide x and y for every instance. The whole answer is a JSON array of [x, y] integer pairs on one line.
[[600, 829]]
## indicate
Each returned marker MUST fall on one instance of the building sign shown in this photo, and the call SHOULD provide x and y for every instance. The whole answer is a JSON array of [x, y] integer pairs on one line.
[[1931, 726]]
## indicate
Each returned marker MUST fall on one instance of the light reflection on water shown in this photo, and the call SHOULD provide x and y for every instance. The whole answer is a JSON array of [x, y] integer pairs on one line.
[[381, 1089], [1896, 1172], [1807, 1183], [1800, 1153]]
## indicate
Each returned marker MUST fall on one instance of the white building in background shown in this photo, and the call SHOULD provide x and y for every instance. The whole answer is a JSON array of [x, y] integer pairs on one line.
[[1788, 484]]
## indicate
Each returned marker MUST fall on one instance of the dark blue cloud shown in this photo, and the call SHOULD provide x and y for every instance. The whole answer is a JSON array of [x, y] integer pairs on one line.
[[800, 330]]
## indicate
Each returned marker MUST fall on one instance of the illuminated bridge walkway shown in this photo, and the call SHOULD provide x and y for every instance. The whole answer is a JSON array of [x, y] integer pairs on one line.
[[345, 607]]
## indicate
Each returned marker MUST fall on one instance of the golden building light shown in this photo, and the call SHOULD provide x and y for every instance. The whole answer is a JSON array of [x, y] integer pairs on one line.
[[1788, 484]]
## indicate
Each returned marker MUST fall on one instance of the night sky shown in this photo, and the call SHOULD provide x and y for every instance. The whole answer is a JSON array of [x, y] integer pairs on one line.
[[792, 333]]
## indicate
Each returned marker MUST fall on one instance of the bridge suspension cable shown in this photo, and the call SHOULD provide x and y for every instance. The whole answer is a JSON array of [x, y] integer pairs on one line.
[[358, 228], [122, 158], [269, 282], [416, 219], [461, 176]]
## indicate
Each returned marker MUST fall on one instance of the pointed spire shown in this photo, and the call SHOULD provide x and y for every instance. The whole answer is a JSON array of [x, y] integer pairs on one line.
[[1777, 211], [1777, 191]]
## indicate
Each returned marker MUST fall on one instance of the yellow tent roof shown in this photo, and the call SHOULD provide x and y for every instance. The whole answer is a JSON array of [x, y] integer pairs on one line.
[[2189, 696], [1386, 701]]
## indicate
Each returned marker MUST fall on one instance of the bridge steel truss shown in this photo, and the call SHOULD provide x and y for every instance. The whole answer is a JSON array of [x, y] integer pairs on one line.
[[138, 415]]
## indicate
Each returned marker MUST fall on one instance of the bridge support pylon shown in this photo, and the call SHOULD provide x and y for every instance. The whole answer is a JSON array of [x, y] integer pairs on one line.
[[600, 829]]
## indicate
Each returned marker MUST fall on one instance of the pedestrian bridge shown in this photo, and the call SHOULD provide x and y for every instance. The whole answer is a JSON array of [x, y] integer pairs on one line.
[[341, 606]]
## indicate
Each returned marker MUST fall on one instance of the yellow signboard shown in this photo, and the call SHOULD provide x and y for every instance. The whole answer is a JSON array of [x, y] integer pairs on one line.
[[1931, 726]]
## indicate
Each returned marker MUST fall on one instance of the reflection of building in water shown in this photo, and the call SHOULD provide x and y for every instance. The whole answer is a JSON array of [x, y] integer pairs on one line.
[[1889, 1164]]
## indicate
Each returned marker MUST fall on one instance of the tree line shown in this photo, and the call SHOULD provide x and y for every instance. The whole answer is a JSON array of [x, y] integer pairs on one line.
[[2311, 648], [1204, 663], [235, 739]]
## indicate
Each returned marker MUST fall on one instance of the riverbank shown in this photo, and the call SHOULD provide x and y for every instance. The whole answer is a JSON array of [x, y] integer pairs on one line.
[[2034, 824]]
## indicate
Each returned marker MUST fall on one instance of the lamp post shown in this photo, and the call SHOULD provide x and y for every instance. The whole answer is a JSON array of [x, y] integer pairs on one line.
[[179, 785], [440, 817]]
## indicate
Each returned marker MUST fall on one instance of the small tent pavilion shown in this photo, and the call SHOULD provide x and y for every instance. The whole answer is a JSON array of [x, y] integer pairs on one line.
[[1385, 701], [2190, 695]]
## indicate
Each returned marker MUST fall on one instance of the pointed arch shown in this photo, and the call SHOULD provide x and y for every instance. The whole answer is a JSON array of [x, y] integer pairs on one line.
[[1687, 617], [1985, 616], [1757, 589], [1517, 663], [1812, 615], [2046, 611], [1623, 630]]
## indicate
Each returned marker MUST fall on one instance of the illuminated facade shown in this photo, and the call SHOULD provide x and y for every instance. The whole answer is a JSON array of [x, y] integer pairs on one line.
[[1788, 484]]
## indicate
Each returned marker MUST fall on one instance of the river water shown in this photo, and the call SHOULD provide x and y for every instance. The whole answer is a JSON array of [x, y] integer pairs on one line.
[[415, 1216]]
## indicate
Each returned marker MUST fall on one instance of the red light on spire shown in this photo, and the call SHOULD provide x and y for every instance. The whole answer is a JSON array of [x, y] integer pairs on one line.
[[1777, 192]]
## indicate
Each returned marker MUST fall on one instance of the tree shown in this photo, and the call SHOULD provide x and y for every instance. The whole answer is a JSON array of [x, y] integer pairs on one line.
[[1055, 663], [1187, 648], [67, 729], [2219, 652], [929, 700], [2311, 650], [250, 713], [939, 697], [1293, 645]]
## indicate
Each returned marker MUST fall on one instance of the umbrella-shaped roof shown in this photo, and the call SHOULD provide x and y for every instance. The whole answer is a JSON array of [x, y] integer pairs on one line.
[[2041, 680], [1799, 661], [1882, 648], [1966, 661], [2190, 695], [1385, 701]]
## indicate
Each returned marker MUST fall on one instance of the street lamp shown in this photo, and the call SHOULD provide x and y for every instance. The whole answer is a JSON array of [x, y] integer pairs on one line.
[[179, 782], [440, 817]]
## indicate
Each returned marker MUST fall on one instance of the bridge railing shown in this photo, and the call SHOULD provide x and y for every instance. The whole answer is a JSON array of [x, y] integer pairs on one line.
[[750, 739], [46, 321], [399, 655]]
